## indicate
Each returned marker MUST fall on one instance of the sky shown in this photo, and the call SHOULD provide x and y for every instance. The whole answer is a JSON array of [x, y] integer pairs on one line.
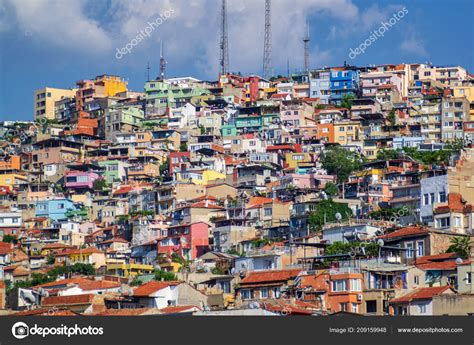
[[55, 43]]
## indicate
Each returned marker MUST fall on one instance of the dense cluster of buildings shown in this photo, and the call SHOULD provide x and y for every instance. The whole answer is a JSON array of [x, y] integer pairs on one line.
[[341, 190]]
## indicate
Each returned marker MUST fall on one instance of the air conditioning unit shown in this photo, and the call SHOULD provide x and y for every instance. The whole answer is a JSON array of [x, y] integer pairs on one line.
[[360, 297]]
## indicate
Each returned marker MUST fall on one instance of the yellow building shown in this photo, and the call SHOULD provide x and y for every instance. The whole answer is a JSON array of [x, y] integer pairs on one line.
[[112, 84], [346, 132], [205, 177], [89, 255], [468, 92], [12, 179], [125, 270], [295, 159], [46, 98], [171, 267]]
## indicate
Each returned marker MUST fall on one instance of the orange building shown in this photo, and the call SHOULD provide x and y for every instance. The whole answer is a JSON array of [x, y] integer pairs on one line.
[[325, 132], [345, 291]]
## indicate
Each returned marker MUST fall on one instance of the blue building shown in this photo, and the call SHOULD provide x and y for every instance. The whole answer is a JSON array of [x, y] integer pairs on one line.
[[55, 209], [343, 82]]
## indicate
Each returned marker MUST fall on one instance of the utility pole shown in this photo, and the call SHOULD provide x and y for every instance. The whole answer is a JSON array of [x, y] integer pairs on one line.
[[306, 49], [148, 71], [224, 41], [162, 62], [267, 43]]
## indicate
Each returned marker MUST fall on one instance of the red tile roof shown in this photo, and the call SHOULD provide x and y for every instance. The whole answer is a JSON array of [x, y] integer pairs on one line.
[[88, 285], [441, 265], [257, 201], [420, 294], [123, 190], [179, 309], [406, 232], [68, 300], [257, 277], [151, 287], [5, 248], [202, 204], [431, 258]]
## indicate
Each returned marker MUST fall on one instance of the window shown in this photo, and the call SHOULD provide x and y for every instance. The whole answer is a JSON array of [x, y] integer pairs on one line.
[[426, 199], [432, 198], [339, 285], [355, 285], [341, 129], [343, 306], [443, 222], [264, 293], [442, 196], [355, 308], [457, 221], [61, 206], [469, 278], [276, 292], [268, 212], [420, 248], [245, 294], [416, 280], [409, 250], [298, 157]]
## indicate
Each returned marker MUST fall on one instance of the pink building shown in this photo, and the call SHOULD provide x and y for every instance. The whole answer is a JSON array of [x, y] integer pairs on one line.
[[80, 179], [187, 240]]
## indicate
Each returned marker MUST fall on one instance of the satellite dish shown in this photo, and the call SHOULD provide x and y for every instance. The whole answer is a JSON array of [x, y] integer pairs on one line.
[[380, 242], [338, 217], [459, 261]]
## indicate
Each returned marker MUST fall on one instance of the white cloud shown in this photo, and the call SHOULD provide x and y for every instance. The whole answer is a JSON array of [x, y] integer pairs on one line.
[[60, 23], [413, 44], [191, 35]]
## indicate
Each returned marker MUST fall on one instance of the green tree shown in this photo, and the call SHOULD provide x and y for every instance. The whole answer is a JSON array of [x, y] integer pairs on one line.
[[392, 118], [100, 184], [9, 239], [165, 167], [330, 189], [370, 248], [161, 275], [183, 147], [340, 162], [50, 260], [459, 245], [388, 154], [325, 212], [347, 100]]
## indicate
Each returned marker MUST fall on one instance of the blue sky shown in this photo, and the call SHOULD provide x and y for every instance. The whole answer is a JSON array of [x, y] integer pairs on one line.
[[57, 42]]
